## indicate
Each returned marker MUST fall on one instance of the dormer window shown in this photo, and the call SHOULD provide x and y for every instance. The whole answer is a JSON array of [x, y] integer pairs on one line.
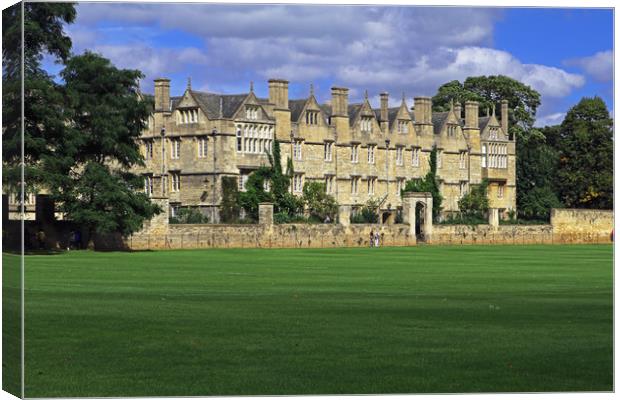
[[188, 116], [251, 112], [312, 117], [403, 126], [366, 124], [451, 130], [493, 132]]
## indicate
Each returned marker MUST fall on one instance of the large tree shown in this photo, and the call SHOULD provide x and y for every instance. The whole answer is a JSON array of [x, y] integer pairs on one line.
[[43, 105], [585, 174], [89, 170]]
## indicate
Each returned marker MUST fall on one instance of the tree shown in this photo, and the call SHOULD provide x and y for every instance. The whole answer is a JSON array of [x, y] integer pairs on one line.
[[538, 202], [229, 210], [255, 191], [585, 174], [43, 105], [318, 203], [368, 214], [476, 202], [428, 184], [88, 169]]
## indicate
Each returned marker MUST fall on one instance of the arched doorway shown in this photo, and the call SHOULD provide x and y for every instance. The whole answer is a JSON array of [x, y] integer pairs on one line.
[[420, 210], [418, 213]]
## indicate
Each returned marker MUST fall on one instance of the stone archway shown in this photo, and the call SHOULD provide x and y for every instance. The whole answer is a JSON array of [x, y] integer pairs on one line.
[[411, 200]]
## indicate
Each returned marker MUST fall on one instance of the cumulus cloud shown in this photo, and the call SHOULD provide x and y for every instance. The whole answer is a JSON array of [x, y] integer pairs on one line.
[[600, 65], [410, 49]]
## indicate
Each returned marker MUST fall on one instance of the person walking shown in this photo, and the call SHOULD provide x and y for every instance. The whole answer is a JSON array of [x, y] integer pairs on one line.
[[377, 239], [372, 238]]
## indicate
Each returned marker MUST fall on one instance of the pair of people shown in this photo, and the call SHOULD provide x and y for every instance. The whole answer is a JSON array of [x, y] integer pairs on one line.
[[374, 239]]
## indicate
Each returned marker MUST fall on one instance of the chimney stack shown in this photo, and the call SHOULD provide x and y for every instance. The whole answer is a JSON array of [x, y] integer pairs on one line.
[[384, 111], [278, 93], [458, 110], [162, 94], [422, 110], [471, 114], [505, 117], [340, 101]]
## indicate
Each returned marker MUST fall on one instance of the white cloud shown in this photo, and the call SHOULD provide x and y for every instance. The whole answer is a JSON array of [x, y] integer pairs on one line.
[[600, 65], [550, 119]]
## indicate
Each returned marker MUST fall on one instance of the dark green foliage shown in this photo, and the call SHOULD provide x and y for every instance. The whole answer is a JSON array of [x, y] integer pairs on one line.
[[368, 214], [538, 202], [585, 174], [189, 215], [475, 203], [88, 171], [229, 209], [464, 219], [423, 319], [429, 185], [319, 205], [255, 193], [43, 102]]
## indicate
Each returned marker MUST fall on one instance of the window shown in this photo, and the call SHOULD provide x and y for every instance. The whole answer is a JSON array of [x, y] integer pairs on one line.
[[451, 130], [175, 150], [371, 154], [251, 112], [297, 149], [187, 116], [242, 179], [462, 188], [415, 156], [483, 160], [202, 147], [175, 179], [399, 155], [439, 153], [239, 140], [463, 160], [312, 117], [266, 185], [327, 150], [403, 126], [148, 185], [400, 185], [371, 185], [329, 184], [366, 124], [354, 152], [354, 183], [493, 133], [500, 191], [298, 183], [148, 149]]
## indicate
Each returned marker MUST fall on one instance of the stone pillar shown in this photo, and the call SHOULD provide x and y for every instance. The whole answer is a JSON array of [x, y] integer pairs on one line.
[[494, 217], [265, 214], [409, 202], [158, 225], [428, 218], [344, 215]]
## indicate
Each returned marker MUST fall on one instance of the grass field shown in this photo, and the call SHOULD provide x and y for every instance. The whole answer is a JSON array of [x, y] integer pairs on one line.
[[253, 321]]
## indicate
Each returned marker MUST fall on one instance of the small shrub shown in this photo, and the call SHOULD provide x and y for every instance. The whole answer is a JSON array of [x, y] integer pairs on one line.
[[189, 215]]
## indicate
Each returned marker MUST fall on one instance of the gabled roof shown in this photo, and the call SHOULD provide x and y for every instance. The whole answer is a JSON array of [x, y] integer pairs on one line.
[[353, 110], [327, 109], [483, 122], [296, 106], [438, 119], [211, 102]]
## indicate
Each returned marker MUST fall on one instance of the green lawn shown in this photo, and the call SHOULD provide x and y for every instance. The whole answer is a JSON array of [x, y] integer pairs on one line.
[[257, 321]]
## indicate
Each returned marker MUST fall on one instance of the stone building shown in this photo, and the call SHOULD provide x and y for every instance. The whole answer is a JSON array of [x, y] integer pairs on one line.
[[359, 152]]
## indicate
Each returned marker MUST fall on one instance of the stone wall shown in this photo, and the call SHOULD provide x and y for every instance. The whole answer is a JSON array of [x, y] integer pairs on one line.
[[570, 220]]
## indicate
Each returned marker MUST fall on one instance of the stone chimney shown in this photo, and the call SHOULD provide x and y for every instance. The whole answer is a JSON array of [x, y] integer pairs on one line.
[[384, 111], [162, 94], [505, 117], [278, 93], [340, 101], [422, 110], [471, 114], [458, 110]]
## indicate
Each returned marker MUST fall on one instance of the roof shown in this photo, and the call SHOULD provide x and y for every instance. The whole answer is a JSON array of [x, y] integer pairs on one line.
[[353, 111], [438, 119], [212, 102], [482, 122], [296, 106]]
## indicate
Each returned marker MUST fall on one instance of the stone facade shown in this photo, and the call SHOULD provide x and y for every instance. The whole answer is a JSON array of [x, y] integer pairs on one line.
[[193, 140]]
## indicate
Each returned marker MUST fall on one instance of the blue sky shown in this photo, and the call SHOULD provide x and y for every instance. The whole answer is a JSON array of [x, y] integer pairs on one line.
[[565, 54]]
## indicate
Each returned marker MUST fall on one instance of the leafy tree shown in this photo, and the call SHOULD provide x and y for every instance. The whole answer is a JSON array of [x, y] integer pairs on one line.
[[538, 202], [368, 214], [88, 171], [255, 192], [429, 184], [43, 105], [318, 203], [189, 215], [476, 202], [585, 174]]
